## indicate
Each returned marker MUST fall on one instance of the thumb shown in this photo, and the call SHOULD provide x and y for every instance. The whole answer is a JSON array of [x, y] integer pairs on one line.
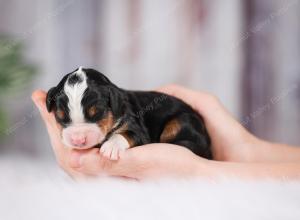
[[39, 99]]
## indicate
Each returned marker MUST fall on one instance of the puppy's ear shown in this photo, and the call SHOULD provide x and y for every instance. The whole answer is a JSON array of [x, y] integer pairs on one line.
[[53, 93], [97, 77], [50, 99], [116, 101]]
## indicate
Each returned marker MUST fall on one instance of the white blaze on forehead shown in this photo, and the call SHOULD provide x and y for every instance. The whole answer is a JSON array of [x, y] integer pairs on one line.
[[75, 94]]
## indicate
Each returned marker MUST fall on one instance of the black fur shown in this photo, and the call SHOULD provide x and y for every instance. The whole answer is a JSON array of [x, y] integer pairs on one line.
[[145, 113], [150, 111]]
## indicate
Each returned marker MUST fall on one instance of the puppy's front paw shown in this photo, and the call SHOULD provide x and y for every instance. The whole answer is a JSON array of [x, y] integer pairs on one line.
[[113, 146]]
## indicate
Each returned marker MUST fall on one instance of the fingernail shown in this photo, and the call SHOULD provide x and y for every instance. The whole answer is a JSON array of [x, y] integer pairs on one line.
[[76, 159]]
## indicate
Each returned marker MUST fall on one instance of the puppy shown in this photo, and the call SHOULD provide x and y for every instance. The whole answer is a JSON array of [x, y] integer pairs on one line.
[[93, 112]]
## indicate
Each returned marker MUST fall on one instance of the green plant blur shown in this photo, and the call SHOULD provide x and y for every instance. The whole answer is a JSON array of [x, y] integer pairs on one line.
[[15, 74]]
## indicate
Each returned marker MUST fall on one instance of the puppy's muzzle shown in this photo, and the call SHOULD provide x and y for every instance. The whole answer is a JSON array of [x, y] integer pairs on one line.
[[82, 136]]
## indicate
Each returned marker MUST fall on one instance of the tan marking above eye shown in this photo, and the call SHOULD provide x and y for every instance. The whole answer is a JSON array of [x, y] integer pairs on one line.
[[92, 111], [60, 114]]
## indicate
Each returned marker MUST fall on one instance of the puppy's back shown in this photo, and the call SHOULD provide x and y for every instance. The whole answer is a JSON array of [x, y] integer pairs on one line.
[[170, 120]]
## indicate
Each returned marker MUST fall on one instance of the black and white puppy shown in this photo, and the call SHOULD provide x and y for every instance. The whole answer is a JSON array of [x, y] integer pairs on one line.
[[93, 112]]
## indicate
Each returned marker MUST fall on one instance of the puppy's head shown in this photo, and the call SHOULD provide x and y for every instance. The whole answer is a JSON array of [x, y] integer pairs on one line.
[[87, 106]]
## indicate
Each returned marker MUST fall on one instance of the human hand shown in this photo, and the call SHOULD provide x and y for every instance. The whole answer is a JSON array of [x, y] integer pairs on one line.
[[148, 161]]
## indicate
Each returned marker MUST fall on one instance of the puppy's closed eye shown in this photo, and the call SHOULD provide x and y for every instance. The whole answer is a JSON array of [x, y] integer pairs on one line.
[[60, 114], [92, 111]]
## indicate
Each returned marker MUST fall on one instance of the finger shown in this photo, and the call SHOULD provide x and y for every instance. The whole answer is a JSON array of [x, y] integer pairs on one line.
[[88, 162], [189, 96], [131, 163], [204, 103], [91, 162], [39, 99]]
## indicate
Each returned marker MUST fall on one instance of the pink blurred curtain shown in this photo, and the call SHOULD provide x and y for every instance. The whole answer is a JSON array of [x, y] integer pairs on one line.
[[271, 81]]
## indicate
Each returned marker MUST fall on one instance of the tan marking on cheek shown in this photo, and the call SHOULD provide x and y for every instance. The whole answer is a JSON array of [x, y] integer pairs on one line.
[[106, 123], [170, 131]]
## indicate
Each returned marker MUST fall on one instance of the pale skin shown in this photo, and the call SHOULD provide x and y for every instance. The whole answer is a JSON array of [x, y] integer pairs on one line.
[[236, 152]]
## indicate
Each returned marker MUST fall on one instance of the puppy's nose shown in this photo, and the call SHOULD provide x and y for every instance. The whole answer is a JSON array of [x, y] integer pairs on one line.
[[78, 140]]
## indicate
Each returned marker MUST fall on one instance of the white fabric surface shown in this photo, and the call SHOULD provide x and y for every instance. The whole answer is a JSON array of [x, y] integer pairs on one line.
[[32, 190]]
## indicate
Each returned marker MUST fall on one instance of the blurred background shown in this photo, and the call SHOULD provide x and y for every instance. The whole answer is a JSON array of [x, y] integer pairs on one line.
[[245, 52]]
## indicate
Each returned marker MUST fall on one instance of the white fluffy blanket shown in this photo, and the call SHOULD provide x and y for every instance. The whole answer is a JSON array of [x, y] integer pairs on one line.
[[38, 191]]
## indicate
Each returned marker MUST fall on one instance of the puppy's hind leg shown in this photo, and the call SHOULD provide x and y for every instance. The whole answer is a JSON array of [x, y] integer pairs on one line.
[[188, 130]]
